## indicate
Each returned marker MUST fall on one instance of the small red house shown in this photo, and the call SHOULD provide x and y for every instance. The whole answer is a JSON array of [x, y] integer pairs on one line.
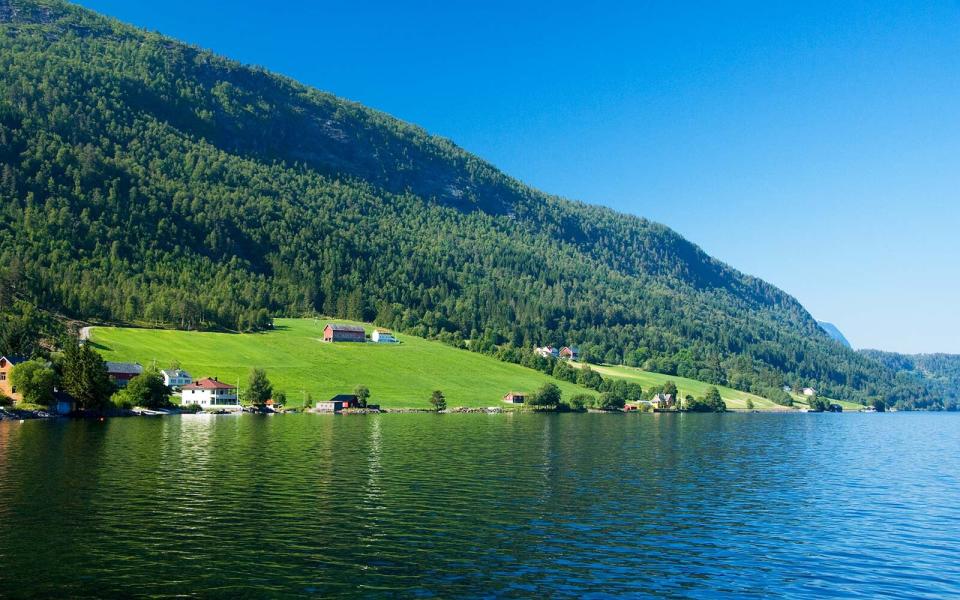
[[339, 332], [515, 397], [570, 353]]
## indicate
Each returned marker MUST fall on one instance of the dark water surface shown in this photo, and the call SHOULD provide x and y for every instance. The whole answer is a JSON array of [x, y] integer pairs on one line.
[[482, 505]]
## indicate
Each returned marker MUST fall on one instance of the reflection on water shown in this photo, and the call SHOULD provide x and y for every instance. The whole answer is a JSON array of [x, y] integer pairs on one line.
[[454, 505]]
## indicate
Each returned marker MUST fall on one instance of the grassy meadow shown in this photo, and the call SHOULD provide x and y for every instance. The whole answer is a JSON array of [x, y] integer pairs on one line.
[[403, 375], [646, 379], [297, 361]]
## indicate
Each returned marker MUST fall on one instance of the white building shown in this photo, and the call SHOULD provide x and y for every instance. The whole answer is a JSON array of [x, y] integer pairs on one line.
[[176, 378], [210, 394], [547, 352], [382, 336], [809, 392]]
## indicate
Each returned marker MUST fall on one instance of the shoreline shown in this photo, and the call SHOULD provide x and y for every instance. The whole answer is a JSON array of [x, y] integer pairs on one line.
[[15, 414]]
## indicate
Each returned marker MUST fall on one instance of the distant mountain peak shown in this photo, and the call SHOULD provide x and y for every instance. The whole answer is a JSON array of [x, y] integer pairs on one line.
[[834, 332]]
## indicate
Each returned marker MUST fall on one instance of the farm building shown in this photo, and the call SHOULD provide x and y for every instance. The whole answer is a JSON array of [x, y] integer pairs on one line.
[[121, 373], [570, 353], [339, 332], [547, 352], [338, 403], [6, 367], [176, 378], [807, 391], [515, 397], [329, 406], [210, 393], [383, 336]]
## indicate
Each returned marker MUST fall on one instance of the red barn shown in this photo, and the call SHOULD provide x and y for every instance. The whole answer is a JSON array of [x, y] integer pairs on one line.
[[121, 373], [338, 332]]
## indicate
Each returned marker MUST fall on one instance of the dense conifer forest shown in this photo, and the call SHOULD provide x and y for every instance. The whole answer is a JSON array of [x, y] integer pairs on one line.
[[147, 181]]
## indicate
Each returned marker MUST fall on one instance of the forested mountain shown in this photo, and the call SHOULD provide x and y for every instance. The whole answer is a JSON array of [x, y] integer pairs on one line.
[[923, 380], [144, 180]]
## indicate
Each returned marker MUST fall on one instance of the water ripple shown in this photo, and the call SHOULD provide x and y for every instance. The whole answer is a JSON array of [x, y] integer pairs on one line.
[[803, 506]]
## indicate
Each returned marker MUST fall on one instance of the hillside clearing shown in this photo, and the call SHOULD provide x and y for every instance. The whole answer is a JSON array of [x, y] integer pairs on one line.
[[298, 362]]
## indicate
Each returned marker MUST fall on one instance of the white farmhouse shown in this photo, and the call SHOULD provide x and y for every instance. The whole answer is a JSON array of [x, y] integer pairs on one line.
[[176, 378], [210, 394], [547, 352], [809, 392], [383, 336]]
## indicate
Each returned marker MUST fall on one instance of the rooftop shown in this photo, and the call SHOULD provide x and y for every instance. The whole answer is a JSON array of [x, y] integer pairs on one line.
[[121, 367], [208, 384], [343, 398], [344, 327]]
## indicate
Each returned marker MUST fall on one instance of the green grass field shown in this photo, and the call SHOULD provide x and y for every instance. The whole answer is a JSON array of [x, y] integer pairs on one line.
[[297, 361], [646, 379], [398, 375], [733, 398]]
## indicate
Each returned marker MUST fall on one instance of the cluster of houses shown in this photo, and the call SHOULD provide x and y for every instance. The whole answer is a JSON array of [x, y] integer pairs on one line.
[[659, 403], [565, 353]]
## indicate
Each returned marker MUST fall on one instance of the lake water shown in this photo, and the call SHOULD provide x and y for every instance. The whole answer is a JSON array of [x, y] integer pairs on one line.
[[482, 505]]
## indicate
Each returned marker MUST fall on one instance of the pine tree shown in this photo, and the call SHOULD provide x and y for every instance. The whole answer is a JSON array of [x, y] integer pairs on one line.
[[438, 400], [84, 376]]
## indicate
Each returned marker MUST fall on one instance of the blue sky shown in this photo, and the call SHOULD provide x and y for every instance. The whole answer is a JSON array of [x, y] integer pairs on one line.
[[815, 145]]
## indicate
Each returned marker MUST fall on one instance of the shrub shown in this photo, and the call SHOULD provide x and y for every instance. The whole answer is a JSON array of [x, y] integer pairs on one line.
[[711, 402], [35, 381], [548, 395], [581, 401]]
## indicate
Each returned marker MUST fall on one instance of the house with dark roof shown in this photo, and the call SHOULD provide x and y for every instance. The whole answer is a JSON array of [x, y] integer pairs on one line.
[[210, 393], [515, 397], [7, 363], [341, 332], [121, 373], [338, 403]]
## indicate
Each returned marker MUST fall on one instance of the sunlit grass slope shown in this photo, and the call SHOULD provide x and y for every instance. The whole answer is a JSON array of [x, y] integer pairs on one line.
[[646, 379], [298, 362]]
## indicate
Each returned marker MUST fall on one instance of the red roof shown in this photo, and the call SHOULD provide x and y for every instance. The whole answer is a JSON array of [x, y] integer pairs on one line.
[[208, 384]]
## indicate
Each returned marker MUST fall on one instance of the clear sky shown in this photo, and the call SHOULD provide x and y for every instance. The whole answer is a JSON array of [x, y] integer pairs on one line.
[[813, 144]]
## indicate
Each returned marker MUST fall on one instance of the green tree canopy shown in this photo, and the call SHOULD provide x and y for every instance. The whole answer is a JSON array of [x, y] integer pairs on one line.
[[259, 389], [548, 395], [363, 395], [35, 381], [84, 375], [147, 390]]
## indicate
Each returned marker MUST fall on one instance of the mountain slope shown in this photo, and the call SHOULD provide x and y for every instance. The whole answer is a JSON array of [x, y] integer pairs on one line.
[[834, 332], [144, 180], [929, 381]]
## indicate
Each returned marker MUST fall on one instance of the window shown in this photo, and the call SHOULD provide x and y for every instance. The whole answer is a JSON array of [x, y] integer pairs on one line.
[[3, 375]]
